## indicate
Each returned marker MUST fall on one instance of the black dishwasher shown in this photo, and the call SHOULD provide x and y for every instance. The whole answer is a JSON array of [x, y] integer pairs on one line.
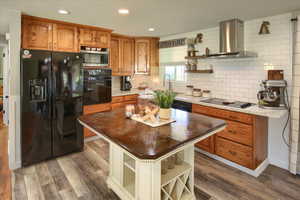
[[182, 105]]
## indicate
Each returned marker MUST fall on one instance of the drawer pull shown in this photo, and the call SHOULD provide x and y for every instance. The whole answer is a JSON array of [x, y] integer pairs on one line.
[[232, 153], [233, 117], [233, 132]]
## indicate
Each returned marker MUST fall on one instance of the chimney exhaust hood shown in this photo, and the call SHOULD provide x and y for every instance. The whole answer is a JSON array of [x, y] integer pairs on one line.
[[232, 40]]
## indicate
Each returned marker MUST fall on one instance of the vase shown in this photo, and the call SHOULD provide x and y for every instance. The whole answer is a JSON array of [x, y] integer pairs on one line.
[[164, 113]]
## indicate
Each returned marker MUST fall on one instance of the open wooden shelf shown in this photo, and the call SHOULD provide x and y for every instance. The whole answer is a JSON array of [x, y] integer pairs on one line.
[[204, 71], [174, 173], [196, 57]]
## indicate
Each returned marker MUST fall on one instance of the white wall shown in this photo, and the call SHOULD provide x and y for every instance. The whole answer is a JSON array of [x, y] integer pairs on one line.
[[239, 79], [14, 24]]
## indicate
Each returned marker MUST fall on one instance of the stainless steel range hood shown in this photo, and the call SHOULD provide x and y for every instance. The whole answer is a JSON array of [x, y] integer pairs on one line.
[[232, 40]]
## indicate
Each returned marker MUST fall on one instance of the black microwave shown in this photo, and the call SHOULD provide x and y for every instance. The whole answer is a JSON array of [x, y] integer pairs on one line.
[[95, 57]]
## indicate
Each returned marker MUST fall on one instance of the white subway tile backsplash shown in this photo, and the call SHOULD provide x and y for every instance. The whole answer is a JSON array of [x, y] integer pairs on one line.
[[240, 78]]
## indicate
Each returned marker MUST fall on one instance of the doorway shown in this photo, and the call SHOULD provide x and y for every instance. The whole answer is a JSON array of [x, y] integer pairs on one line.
[[4, 83]]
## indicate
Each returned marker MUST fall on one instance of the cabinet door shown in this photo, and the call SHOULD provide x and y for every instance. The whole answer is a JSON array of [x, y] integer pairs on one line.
[[142, 55], [154, 53], [94, 109], [207, 144], [36, 35], [65, 38], [101, 39], [115, 56], [127, 57], [87, 37]]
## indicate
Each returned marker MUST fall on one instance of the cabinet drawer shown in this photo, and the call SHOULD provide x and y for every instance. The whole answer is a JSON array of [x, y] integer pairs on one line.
[[235, 152], [130, 102], [238, 132], [96, 108], [117, 99], [130, 97], [225, 114], [240, 117], [117, 105]]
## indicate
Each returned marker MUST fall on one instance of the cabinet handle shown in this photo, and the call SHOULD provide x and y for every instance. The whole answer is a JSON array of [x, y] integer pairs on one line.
[[233, 117], [232, 152], [233, 132]]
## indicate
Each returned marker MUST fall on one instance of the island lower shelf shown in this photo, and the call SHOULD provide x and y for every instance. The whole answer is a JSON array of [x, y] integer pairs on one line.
[[175, 183]]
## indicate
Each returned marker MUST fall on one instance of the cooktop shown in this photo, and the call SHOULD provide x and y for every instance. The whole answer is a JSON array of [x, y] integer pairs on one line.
[[224, 102]]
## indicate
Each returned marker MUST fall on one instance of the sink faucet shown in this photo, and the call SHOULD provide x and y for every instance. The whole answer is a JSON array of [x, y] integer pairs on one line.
[[169, 81]]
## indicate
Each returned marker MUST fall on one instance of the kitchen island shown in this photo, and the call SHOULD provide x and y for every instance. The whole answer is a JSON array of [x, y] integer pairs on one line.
[[137, 152]]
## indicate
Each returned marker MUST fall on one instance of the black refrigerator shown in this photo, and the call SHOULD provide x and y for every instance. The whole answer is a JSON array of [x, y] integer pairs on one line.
[[51, 101]]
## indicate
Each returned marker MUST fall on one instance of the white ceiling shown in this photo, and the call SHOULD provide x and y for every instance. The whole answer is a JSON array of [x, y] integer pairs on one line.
[[166, 16]]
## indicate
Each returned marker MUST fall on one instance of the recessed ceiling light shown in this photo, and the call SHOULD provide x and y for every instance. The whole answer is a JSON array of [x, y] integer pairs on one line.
[[151, 29], [123, 11], [63, 12]]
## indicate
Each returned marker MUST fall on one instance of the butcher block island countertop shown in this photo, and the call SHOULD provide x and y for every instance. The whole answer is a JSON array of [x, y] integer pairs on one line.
[[138, 153]]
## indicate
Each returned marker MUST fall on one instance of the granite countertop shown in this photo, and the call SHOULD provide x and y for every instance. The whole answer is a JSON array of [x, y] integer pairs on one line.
[[146, 142], [118, 92], [255, 110]]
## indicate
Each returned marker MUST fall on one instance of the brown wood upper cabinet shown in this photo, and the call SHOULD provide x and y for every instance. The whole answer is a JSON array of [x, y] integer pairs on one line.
[[46, 34], [36, 35], [94, 38], [122, 56], [142, 56], [65, 38], [146, 54]]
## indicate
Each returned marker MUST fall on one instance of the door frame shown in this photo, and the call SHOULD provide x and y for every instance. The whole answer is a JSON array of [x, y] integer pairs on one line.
[[5, 81]]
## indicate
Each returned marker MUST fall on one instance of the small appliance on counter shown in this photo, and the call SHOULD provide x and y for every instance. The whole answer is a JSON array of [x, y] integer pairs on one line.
[[125, 83], [273, 95]]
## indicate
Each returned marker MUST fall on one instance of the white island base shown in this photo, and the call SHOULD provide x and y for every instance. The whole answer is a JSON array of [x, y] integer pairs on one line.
[[135, 179]]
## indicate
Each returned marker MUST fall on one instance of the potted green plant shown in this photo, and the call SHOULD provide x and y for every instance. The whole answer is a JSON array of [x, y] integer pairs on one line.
[[164, 99]]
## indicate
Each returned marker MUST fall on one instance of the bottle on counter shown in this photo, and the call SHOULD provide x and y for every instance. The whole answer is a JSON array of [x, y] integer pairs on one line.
[[189, 90], [197, 92]]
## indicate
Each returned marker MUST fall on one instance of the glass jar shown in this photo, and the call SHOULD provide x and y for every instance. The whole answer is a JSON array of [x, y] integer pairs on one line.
[[206, 93], [179, 158], [189, 90], [197, 92], [164, 166], [171, 162]]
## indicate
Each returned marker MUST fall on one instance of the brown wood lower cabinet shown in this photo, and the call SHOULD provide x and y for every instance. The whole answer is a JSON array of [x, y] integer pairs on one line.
[[235, 152], [207, 144], [121, 101], [94, 109], [244, 140]]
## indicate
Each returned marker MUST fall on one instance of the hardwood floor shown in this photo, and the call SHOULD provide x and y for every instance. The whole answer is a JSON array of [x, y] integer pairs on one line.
[[82, 176], [5, 174]]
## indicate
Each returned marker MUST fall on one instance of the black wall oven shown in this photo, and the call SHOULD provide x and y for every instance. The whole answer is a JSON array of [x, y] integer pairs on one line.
[[97, 86]]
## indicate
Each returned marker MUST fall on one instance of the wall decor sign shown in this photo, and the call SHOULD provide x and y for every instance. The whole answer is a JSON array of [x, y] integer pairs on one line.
[[172, 43], [264, 28]]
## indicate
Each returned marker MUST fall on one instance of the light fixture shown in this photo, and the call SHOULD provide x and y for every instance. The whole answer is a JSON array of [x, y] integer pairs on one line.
[[63, 12], [123, 11], [151, 29]]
